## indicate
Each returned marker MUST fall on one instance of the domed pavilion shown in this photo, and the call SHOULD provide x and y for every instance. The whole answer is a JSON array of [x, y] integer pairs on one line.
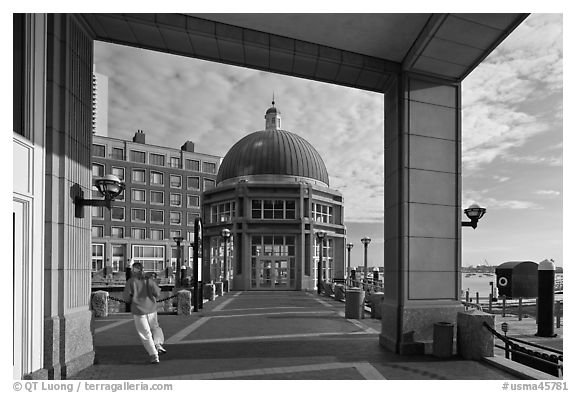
[[272, 193]]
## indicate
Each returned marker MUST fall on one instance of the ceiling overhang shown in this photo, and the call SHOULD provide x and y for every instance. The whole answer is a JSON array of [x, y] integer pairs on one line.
[[356, 50]]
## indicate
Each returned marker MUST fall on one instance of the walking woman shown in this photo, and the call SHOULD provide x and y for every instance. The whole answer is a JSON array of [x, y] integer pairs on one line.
[[142, 292]]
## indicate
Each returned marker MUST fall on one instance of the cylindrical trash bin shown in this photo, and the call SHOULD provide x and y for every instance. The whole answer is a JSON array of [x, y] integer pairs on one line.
[[354, 304], [443, 339]]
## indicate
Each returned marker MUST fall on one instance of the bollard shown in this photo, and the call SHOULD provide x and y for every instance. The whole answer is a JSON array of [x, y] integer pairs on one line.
[[354, 308], [545, 312], [219, 288], [100, 303], [209, 292], [184, 302]]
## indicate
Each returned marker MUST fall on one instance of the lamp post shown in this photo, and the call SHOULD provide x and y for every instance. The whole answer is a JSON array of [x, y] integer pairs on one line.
[[474, 213], [178, 240], [349, 247], [366, 240], [320, 235], [226, 235]]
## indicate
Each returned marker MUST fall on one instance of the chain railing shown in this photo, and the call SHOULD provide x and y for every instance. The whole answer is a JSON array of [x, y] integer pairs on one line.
[[157, 301], [549, 363]]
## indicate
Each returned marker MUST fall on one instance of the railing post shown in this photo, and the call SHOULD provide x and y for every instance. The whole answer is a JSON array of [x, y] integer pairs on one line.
[[504, 305], [520, 309], [558, 314], [507, 350], [477, 298], [490, 303]]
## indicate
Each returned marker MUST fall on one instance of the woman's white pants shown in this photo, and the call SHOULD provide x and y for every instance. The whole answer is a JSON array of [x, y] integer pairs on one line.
[[149, 331]]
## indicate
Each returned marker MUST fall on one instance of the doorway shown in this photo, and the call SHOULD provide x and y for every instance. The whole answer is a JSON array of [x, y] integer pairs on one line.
[[275, 273]]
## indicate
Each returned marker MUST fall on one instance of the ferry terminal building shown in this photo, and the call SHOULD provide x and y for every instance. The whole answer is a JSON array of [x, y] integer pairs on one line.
[[272, 192]]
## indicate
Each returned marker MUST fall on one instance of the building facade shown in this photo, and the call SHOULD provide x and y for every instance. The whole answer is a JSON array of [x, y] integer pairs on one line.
[[273, 194], [161, 200]]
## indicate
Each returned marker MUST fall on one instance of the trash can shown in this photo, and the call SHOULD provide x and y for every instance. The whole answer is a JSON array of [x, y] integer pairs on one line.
[[354, 304], [443, 338]]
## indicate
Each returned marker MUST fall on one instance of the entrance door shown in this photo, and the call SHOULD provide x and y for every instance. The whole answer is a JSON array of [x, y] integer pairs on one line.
[[275, 273]]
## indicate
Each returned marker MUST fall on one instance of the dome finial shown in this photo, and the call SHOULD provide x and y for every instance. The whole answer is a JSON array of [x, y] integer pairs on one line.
[[272, 98]]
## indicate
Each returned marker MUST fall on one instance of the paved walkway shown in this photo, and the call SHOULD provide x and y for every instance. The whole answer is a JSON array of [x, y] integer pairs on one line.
[[267, 335]]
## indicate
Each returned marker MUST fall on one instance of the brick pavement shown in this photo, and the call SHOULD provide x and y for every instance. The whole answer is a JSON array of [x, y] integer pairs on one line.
[[267, 335]]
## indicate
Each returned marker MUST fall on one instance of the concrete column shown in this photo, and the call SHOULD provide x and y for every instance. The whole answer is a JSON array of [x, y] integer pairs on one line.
[[68, 345], [422, 211]]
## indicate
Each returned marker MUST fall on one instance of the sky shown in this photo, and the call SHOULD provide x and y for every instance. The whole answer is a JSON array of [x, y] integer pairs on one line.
[[511, 129]]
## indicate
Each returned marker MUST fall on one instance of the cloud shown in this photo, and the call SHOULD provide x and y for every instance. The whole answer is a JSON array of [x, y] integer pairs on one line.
[[501, 179], [501, 98], [469, 197], [547, 192]]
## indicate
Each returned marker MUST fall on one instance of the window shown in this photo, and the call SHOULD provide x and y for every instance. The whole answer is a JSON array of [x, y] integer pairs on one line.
[[97, 231], [120, 196], [138, 195], [117, 213], [157, 159], [138, 176], [151, 257], [175, 199], [209, 167], [117, 171], [274, 209], [156, 178], [175, 218], [138, 156], [97, 170], [222, 212], [190, 238], [157, 216], [118, 252], [193, 200], [193, 182], [117, 153], [98, 150], [175, 162], [322, 213], [156, 234], [98, 212], [327, 259], [139, 233], [117, 232], [175, 233], [175, 181], [157, 197], [193, 165], [97, 257], [139, 215], [208, 184], [191, 217]]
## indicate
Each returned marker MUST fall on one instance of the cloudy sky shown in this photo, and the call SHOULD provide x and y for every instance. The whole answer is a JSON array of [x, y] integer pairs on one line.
[[512, 133]]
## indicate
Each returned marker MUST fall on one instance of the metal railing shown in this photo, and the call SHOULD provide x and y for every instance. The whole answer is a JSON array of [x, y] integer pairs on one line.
[[551, 363]]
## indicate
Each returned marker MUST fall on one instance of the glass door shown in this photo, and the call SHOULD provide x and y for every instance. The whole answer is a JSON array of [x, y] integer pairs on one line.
[[275, 273]]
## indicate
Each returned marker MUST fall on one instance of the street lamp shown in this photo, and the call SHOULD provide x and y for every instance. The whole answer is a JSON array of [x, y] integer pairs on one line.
[[474, 213], [366, 240], [110, 186], [349, 247], [178, 240], [226, 235], [321, 235]]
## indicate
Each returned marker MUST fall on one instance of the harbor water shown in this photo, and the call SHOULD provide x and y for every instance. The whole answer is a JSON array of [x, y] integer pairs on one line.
[[480, 282]]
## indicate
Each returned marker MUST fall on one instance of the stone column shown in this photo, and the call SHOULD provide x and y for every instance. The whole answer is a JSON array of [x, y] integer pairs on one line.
[[68, 345], [422, 211]]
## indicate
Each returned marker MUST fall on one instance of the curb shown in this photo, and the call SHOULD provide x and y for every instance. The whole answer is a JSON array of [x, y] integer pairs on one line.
[[517, 369]]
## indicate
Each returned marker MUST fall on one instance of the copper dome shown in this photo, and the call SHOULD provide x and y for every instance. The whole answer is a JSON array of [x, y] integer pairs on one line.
[[273, 152]]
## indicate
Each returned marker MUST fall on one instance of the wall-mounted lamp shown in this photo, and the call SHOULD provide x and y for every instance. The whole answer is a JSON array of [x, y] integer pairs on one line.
[[110, 186], [474, 213]]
